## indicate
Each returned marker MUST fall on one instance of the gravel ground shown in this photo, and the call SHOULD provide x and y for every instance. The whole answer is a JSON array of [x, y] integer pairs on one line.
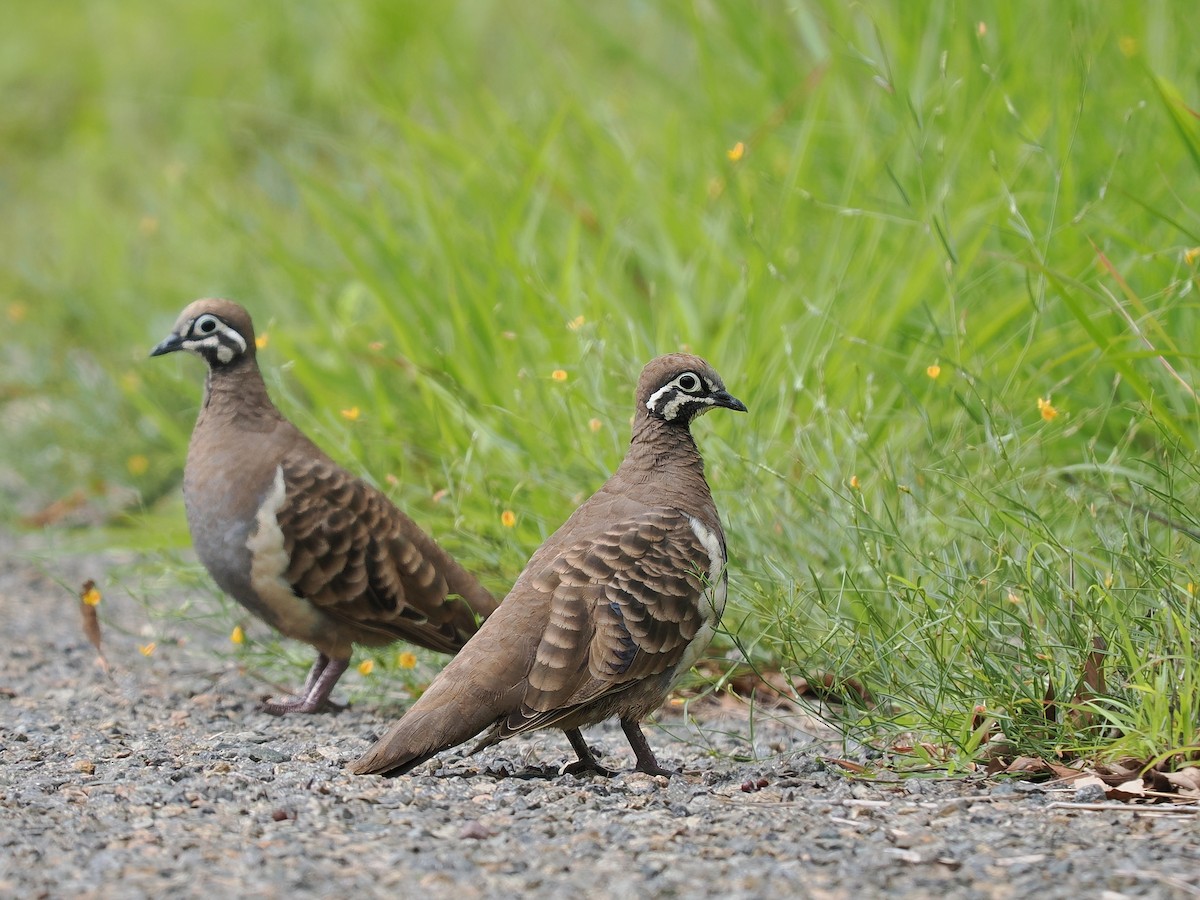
[[161, 779]]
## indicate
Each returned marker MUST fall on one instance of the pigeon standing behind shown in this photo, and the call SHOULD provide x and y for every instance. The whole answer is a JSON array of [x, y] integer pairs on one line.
[[320, 555], [618, 603]]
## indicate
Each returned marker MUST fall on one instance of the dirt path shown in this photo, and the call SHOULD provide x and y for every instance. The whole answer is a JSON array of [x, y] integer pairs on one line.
[[162, 780]]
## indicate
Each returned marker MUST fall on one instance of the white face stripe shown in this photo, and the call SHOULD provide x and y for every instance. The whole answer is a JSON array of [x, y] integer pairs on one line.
[[671, 410], [217, 340]]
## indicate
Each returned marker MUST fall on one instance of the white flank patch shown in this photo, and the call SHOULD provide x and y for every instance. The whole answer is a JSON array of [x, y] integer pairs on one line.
[[268, 563], [713, 598]]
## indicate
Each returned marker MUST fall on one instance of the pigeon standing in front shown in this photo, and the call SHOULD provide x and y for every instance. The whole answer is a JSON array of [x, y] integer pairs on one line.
[[609, 612], [318, 554]]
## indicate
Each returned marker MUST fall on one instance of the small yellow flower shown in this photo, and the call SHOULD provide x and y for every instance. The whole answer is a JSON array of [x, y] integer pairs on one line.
[[17, 312], [508, 518], [736, 152], [1189, 256], [91, 596], [595, 424], [406, 660], [351, 414], [854, 485], [1047, 409], [576, 323], [1191, 588], [137, 464], [262, 340], [366, 667], [1108, 580], [934, 371], [148, 649], [559, 375], [237, 636], [1128, 45]]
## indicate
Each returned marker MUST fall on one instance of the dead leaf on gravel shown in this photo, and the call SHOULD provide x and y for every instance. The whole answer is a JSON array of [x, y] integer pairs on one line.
[[1121, 771], [89, 599], [1185, 781], [1030, 766], [771, 687]]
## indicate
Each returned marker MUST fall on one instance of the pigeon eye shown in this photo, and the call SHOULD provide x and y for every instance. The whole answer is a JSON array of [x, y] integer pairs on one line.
[[206, 325], [689, 382]]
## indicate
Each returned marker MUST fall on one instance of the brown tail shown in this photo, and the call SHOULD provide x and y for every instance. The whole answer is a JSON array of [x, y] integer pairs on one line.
[[436, 722]]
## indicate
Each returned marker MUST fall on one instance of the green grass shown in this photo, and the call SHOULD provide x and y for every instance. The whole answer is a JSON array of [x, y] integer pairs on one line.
[[431, 207]]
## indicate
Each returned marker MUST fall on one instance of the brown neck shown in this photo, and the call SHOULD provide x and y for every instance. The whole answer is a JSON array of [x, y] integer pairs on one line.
[[664, 468], [237, 391]]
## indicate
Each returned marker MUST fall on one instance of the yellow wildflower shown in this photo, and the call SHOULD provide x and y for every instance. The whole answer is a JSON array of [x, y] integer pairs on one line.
[[1189, 256], [508, 518], [576, 323], [559, 375], [351, 414], [854, 485], [736, 152], [595, 424], [237, 636], [137, 464], [91, 596], [406, 660], [262, 340], [148, 649], [1046, 408], [366, 667], [934, 371]]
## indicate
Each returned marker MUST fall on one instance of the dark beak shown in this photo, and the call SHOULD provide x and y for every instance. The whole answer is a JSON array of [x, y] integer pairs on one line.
[[170, 345], [727, 400]]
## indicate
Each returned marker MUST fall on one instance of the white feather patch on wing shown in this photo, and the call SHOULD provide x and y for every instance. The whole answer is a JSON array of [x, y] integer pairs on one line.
[[269, 561], [712, 600]]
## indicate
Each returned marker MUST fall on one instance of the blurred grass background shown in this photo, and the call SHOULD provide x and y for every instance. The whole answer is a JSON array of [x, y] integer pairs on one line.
[[945, 253]]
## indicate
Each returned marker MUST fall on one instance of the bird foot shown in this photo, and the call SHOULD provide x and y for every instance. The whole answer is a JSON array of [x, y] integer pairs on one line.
[[281, 706], [656, 769], [587, 767]]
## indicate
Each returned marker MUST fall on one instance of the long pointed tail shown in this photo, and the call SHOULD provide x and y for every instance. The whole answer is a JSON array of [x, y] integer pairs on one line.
[[447, 714]]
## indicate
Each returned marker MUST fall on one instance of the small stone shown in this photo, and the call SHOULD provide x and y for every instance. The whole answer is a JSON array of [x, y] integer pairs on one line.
[[476, 831]]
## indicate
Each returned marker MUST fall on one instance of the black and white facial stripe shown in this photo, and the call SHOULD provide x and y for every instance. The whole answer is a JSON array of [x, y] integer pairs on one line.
[[684, 397], [213, 339]]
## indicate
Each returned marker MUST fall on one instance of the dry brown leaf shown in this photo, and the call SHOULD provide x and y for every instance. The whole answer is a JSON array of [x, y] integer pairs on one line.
[[1049, 707], [1121, 771], [89, 598], [771, 687], [846, 764], [56, 511], [1092, 685], [1186, 781]]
